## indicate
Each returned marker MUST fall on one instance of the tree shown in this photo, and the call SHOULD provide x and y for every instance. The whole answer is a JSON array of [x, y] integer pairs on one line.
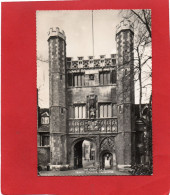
[[42, 79], [141, 20]]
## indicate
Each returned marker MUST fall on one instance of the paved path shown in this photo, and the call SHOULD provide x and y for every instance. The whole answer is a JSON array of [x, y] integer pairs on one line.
[[81, 172]]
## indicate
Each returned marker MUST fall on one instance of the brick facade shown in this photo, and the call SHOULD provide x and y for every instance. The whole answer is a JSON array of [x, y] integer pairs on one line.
[[92, 99]]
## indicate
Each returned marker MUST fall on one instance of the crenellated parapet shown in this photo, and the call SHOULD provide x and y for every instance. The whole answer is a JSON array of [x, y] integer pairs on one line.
[[91, 62], [56, 32], [91, 98], [124, 25]]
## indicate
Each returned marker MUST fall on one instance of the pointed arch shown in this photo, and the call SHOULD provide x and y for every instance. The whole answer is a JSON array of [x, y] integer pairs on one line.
[[107, 143]]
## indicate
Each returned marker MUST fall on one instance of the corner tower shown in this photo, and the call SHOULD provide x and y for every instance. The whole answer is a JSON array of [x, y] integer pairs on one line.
[[57, 96], [125, 92]]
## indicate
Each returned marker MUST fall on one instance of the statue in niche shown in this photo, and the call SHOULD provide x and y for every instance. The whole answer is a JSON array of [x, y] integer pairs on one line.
[[92, 107], [92, 113]]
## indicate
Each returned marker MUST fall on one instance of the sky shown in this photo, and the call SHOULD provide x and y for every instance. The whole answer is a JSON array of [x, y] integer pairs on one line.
[[77, 26]]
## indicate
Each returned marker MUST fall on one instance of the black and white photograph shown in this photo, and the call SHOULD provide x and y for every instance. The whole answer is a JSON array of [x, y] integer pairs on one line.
[[94, 92]]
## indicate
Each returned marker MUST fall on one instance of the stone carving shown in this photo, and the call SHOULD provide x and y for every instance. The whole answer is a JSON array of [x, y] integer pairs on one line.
[[85, 63], [107, 144], [92, 125], [99, 125], [108, 62], [92, 106], [96, 62], [90, 63], [75, 64], [92, 112]]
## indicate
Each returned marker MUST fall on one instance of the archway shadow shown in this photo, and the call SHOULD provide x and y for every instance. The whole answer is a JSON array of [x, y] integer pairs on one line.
[[84, 153]]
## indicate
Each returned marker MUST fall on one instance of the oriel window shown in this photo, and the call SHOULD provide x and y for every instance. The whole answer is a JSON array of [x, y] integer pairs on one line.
[[104, 78], [76, 79], [107, 77], [80, 111], [105, 110]]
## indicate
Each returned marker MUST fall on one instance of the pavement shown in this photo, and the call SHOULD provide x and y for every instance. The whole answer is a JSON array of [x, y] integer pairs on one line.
[[82, 172]]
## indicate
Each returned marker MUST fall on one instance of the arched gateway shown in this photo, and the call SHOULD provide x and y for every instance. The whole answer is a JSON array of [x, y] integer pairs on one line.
[[88, 152], [83, 153], [89, 101]]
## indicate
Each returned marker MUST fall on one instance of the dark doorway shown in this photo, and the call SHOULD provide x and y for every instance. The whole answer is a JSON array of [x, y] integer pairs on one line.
[[78, 155], [84, 154], [107, 160]]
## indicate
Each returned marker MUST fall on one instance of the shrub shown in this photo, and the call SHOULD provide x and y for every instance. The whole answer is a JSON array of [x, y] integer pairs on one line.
[[141, 170]]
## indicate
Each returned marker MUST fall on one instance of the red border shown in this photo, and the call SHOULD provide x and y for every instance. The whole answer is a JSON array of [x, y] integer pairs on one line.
[[19, 156]]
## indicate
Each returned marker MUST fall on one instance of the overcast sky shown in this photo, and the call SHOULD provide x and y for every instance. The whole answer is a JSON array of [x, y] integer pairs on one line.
[[77, 26]]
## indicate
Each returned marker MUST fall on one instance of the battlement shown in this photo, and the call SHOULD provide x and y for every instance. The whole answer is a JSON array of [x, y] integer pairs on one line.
[[56, 32], [124, 25], [91, 62]]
